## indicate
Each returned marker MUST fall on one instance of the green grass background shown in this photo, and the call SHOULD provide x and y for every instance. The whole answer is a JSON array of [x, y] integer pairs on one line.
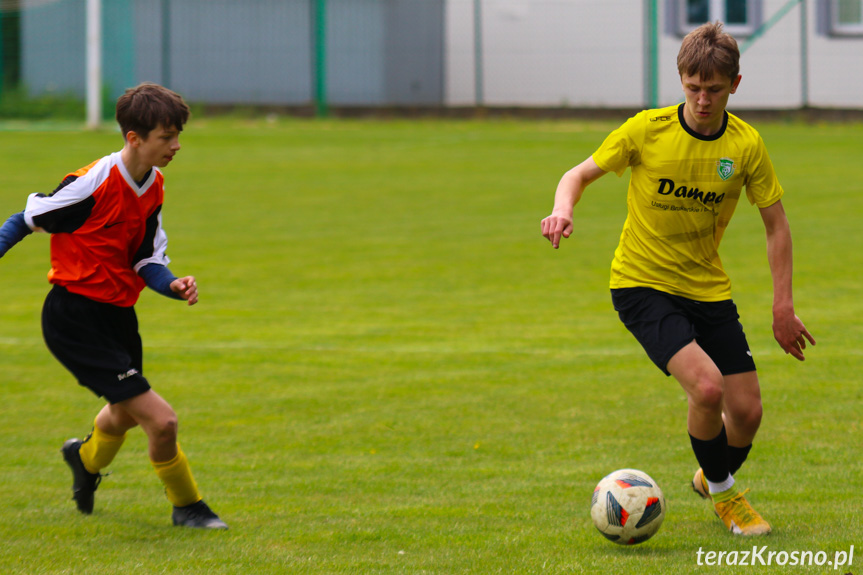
[[391, 371]]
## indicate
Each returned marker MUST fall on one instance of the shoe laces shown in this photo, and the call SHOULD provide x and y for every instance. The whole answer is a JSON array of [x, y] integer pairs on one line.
[[740, 508], [199, 510], [97, 478]]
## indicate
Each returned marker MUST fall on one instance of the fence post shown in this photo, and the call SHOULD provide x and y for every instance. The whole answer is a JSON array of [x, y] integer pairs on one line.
[[320, 16], [651, 53], [479, 96], [804, 55], [94, 63], [165, 7], [2, 52]]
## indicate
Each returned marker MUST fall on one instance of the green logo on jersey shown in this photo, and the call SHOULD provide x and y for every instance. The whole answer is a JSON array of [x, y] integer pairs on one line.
[[725, 167]]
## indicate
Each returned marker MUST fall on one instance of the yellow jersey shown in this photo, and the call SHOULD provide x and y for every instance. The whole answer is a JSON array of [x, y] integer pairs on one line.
[[682, 193]]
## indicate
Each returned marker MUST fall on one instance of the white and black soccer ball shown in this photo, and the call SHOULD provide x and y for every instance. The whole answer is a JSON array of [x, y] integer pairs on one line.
[[627, 507]]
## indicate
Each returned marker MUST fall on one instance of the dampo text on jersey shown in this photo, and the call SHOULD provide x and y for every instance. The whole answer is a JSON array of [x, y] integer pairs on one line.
[[667, 186]]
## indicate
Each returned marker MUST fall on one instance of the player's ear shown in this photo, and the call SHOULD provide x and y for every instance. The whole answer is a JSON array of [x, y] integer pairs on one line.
[[735, 83], [133, 139]]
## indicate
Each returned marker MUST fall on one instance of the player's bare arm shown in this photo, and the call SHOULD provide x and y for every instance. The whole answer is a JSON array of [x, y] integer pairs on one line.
[[186, 288], [788, 330], [569, 191]]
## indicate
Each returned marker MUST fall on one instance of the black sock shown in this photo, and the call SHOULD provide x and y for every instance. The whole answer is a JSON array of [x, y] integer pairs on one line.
[[712, 456], [736, 457]]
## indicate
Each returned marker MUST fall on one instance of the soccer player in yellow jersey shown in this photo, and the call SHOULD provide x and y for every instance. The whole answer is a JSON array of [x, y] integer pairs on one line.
[[689, 164]]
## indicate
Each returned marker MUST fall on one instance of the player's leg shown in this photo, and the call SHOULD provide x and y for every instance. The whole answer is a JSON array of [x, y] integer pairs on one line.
[[721, 336], [114, 420], [742, 413], [707, 392], [671, 330], [109, 432], [703, 384], [159, 421], [88, 457], [81, 333], [742, 417], [664, 326]]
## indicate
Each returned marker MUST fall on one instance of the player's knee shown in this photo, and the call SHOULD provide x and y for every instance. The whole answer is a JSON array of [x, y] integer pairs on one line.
[[164, 430], [748, 417], [707, 395]]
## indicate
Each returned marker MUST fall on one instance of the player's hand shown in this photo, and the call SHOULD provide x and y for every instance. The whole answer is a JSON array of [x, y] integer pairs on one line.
[[791, 334], [186, 288], [556, 226]]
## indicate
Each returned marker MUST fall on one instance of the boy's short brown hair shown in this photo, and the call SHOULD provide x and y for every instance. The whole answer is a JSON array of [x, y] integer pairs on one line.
[[707, 51], [147, 105]]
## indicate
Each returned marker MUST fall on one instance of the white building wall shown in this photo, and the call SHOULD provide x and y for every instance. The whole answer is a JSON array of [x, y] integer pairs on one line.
[[835, 80], [592, 53], [459, 57], [579, 53]]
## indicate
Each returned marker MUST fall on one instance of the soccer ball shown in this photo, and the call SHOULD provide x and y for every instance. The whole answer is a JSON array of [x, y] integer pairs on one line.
[[627, 507]]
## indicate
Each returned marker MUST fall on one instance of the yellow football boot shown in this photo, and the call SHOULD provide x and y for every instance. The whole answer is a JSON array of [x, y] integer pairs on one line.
[[739, 516], [699, 485]]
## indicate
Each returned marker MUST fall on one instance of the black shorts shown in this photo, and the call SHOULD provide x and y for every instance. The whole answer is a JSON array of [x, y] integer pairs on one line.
[[98, 342], [663, 324]]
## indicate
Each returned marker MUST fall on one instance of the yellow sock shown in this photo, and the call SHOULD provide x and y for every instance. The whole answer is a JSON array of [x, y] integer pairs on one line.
[[180, 486], [99, 449]]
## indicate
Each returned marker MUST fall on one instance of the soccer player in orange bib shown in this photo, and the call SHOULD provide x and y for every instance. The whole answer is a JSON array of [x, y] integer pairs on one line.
[[689, 164], [107, 244]]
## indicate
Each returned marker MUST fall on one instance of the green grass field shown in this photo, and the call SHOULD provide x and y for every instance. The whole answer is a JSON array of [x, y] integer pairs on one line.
[[391, 371]]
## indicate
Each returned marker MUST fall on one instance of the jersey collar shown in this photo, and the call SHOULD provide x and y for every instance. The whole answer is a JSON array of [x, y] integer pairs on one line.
[[695, 134], [139, 190]]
